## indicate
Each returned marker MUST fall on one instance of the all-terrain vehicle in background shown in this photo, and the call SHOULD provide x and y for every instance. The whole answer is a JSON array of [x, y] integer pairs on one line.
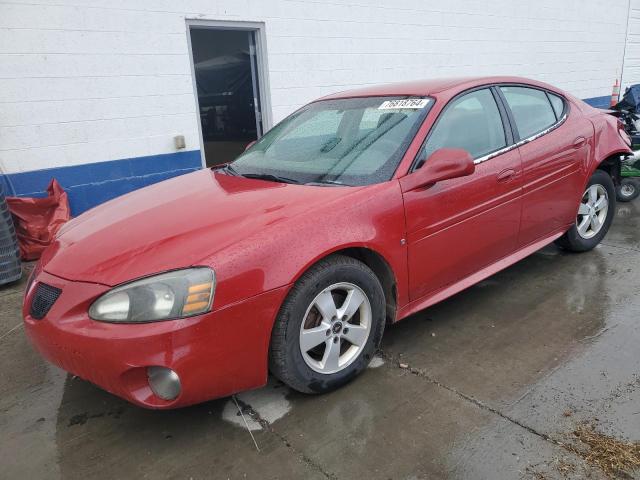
[[629, 187], [628, 111]]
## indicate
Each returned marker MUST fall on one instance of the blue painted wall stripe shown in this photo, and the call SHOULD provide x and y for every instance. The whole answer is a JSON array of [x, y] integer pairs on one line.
[[599, 102], [91, 184]]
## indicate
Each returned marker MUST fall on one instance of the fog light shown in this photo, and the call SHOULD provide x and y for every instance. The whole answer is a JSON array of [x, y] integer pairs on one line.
[[164, 382]]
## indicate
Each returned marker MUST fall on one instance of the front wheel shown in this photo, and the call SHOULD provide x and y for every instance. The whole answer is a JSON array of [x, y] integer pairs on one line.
[[329, 326], [595, 214], [627, 191]]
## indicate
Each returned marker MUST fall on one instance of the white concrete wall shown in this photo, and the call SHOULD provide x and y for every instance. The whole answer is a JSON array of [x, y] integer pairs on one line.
[[93, 80], [631, 69]]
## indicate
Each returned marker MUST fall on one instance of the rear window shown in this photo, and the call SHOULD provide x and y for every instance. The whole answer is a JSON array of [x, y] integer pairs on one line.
[[531, 109], [557, 103]]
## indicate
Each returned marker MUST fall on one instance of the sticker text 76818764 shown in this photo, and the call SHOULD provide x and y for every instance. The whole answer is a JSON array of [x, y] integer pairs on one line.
[[404, 103]]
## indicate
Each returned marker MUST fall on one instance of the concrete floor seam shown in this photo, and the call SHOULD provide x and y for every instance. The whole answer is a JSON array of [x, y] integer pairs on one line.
[[421, 374], [266, 426], [10, 331]]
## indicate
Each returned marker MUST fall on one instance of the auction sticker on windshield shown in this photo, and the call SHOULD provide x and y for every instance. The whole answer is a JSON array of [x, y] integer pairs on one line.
[[405, 103]]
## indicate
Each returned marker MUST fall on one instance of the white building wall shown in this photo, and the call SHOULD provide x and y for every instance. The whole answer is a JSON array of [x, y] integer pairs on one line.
[[631, 67], [94, 80]]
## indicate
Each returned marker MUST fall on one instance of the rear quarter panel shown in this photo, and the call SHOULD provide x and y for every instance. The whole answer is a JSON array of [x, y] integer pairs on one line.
[[606, 140]]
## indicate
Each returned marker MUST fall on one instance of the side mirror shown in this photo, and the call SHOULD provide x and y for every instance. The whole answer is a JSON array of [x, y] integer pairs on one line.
[[443, 164], [249, 145]]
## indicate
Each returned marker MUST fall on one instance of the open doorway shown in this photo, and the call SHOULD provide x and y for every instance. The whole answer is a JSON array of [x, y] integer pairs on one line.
[[228, 84]]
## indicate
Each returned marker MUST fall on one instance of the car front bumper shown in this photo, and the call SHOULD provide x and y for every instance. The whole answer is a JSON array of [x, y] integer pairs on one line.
[[215, 354]]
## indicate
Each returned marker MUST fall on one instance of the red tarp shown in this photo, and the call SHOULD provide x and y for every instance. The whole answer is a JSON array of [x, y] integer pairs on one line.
[[39, 219]]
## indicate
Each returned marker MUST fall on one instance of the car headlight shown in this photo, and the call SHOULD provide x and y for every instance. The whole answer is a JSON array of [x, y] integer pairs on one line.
[[168, 296]]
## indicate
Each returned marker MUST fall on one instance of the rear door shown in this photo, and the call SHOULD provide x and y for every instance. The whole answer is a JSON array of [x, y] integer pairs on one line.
[[554, 145], [458, 226]]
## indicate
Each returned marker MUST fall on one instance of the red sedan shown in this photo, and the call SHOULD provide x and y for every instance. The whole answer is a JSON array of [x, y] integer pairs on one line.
[[359, 209]]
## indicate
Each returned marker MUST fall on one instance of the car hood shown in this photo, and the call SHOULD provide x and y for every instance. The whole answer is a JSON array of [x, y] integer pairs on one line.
[[175, 224]]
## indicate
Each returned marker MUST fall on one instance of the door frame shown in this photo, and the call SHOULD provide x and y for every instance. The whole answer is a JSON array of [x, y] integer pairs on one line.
[[261, 59]]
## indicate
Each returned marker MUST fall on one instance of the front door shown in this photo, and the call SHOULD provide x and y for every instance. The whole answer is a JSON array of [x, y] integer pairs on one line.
[[227, 82], [458, 226]]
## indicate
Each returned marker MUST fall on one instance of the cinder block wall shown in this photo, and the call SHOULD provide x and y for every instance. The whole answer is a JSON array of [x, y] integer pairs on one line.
[[87, 81], [631, 66]]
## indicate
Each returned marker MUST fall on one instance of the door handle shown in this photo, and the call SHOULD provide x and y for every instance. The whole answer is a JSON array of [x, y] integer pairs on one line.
[[578, 142], [506, 175]]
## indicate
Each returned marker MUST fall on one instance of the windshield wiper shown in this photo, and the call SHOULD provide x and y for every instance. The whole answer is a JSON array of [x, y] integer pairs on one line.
[[230, 170], [277, 178], [333, 183], [270, 176]]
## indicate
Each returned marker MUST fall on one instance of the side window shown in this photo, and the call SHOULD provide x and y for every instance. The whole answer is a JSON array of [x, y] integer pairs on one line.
[[531, 109], [557, 103], [471, 122]]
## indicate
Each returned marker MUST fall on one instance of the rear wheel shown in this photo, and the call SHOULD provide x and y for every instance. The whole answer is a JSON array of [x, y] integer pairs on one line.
[[595, 214], [627, 191], [329, 326]]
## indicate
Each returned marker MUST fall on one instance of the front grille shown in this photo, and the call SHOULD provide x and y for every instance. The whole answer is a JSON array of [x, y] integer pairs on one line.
[[43, 300]]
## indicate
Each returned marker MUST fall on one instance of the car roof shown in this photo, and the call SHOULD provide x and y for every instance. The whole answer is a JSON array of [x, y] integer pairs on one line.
[[433, 86]]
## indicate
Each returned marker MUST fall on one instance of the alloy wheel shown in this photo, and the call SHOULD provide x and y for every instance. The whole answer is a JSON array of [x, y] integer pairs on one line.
[[592, 212], [627, 189], [335, 328]]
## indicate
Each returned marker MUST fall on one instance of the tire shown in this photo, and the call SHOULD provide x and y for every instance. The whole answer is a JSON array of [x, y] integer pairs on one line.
[[627, 191], [328, 284], [582, 236]]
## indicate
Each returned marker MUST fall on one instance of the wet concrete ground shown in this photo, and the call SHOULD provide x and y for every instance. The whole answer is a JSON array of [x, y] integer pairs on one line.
[[486, 385]]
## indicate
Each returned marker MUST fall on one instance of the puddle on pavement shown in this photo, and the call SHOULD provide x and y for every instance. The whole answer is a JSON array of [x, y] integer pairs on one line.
[[494, 340], [593, 375]]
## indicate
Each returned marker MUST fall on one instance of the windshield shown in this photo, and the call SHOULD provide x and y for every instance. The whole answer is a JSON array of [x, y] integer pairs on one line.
[[353, 141]]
